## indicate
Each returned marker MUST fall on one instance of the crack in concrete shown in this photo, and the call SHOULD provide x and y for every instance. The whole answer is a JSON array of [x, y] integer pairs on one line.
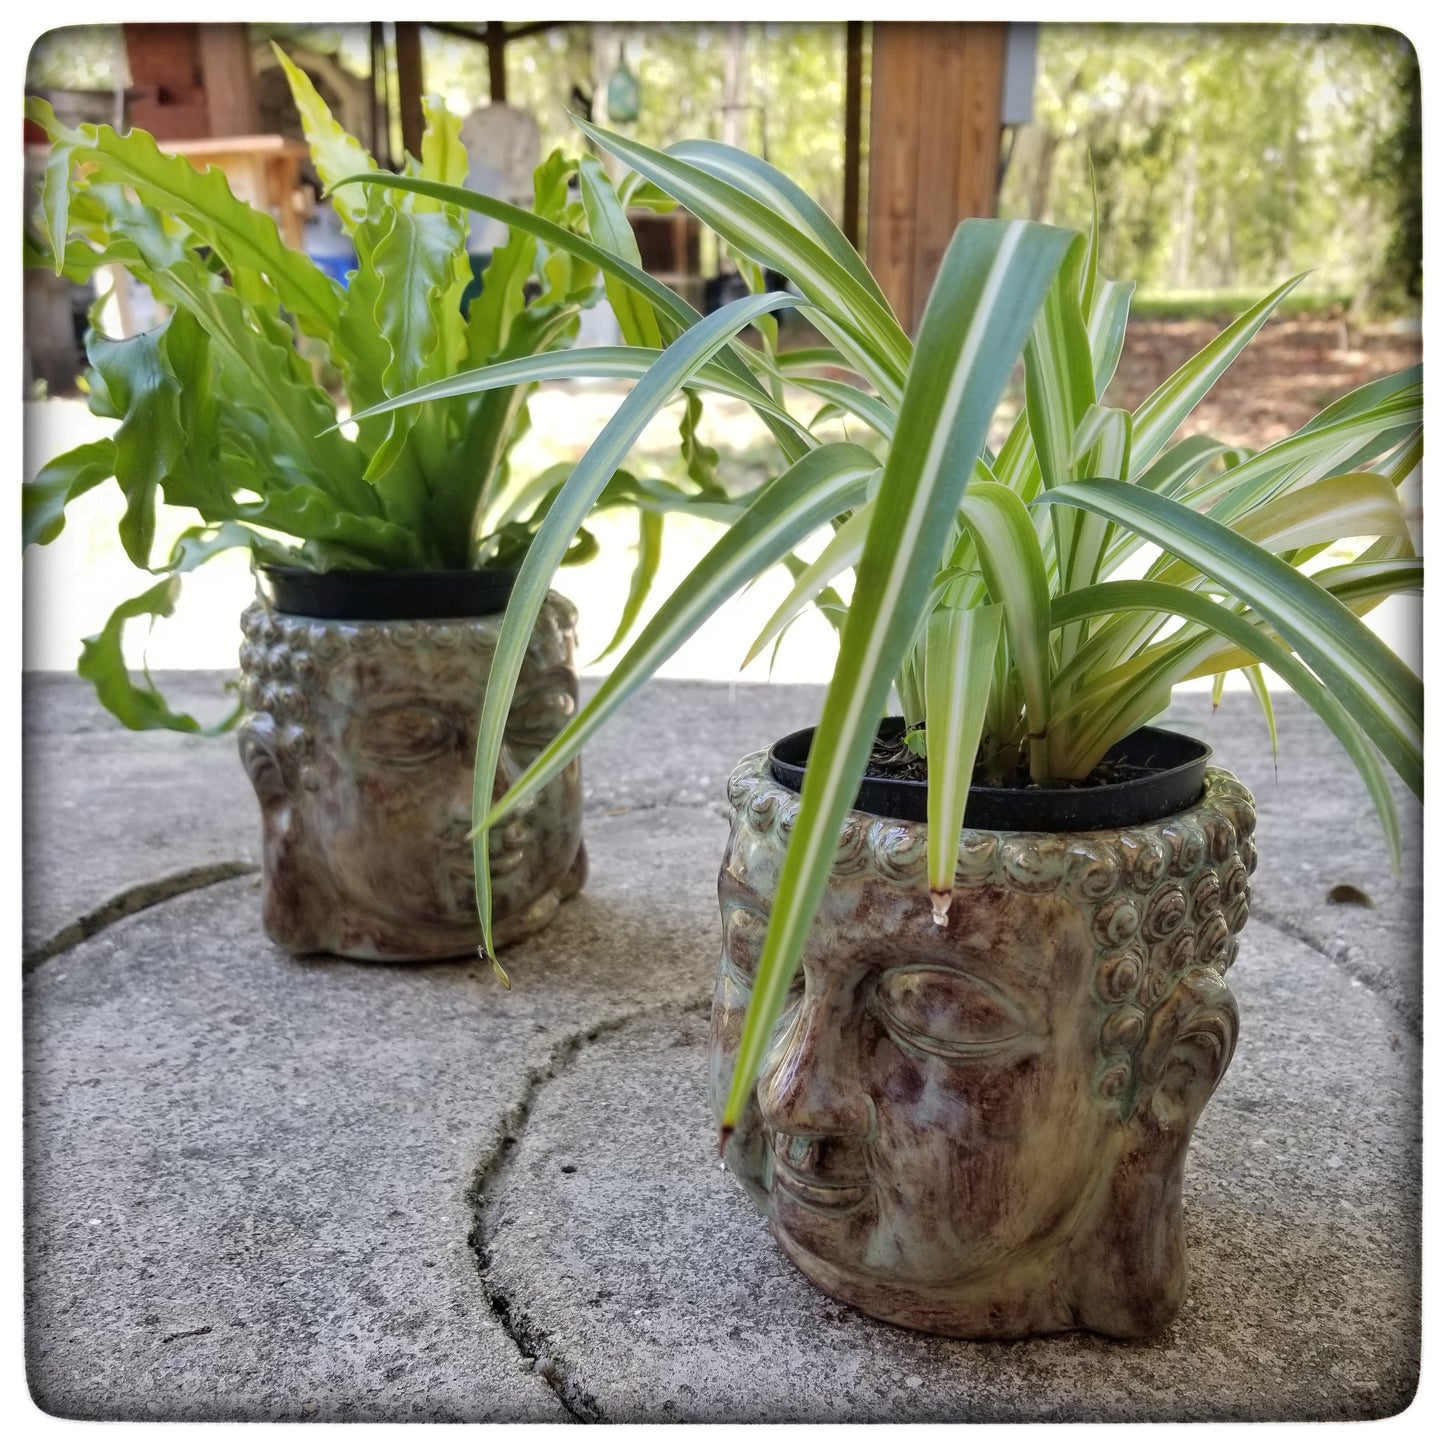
[[1342, 956], [185, 1334], [130, 901], [532, 1342]]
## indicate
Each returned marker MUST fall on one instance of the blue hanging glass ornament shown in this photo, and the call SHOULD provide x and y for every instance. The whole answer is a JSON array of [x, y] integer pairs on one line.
[[624, 96]]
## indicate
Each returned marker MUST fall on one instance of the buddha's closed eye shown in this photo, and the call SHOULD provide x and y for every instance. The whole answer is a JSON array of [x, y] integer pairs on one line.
[[946, 1012], [407, 733]]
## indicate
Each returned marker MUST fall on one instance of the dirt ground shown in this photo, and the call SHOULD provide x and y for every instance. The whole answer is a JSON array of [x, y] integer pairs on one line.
[[1291, 370]]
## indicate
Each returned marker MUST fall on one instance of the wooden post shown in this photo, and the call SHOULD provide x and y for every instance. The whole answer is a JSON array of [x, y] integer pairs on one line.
[[190, 80], [409, 84], [497, 61], [933, 149], [226, 78], [380, 99], [166, 96], [852, 129]]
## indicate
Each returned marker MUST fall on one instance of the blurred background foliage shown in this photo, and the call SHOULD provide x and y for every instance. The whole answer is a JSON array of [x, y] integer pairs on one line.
[[1230, 156], [1227, 156]]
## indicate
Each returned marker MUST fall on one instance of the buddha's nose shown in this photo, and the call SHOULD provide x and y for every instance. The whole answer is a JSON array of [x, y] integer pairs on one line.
[[812, 1087]]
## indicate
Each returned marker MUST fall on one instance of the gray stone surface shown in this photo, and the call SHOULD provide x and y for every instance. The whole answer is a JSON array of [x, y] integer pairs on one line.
[[1319, 833], [248, 1177], [700, 733], [253, 1184], [112, 817]]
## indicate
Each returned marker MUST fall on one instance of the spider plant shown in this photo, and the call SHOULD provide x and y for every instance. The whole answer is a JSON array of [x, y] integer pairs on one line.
[[991, 588], [219, 410]]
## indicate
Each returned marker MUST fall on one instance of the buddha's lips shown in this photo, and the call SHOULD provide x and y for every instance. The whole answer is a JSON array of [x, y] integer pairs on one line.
[[801, 1167], [826, 1195], [506, 852], [506, 859]]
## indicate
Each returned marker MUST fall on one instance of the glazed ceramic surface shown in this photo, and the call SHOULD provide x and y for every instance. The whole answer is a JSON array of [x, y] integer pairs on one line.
[[360, 743], [980, 1129]]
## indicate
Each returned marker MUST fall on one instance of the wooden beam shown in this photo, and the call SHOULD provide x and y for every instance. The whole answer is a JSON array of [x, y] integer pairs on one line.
[[497, 61], [938, 206], [533, 27], [409, 84], [225, 53], [509, 32], [933, 148], [852, 129]]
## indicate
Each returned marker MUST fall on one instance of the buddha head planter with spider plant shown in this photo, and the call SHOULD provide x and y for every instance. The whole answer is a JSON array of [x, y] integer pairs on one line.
[[980, 1129]]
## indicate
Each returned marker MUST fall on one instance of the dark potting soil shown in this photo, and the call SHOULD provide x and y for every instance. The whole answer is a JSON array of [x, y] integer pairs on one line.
[[893, 759]]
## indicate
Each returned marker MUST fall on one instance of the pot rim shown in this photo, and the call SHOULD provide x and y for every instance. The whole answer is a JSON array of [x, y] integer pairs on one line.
[[386, 595], [1178, 785]]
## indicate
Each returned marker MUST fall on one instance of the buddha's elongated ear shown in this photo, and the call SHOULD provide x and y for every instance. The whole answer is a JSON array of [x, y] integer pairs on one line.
[[1189, 1045], [261, 757], [1127, 1274], [300, 894]]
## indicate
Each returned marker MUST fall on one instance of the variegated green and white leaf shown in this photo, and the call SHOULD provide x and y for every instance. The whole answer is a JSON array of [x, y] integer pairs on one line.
[[826, 483], [803, 359], [849, 400], [1013, 568], [672, 369], [1157, 419], [1059, 372], [1380, 692], [768, 186], [958, 674], [989, 287], [1307, 456], [1108, 320], [840, 554], [621, 363], [1112, 598], [1257, 685], [1324, 512], [867, 332], [607, 222]]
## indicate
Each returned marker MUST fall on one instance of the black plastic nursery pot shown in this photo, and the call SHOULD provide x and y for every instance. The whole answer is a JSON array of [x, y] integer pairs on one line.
[[391, 596], [1173, 781]]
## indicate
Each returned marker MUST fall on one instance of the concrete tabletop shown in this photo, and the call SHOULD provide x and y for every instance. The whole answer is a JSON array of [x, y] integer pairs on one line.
[[263, 1188]]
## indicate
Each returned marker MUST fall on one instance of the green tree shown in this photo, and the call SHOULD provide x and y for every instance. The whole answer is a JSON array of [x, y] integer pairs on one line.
[[1225, 155], [77, 57]]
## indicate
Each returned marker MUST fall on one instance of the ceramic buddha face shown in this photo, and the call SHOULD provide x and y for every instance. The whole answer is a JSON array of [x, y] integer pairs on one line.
[[980, 1129], [360, 746]]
